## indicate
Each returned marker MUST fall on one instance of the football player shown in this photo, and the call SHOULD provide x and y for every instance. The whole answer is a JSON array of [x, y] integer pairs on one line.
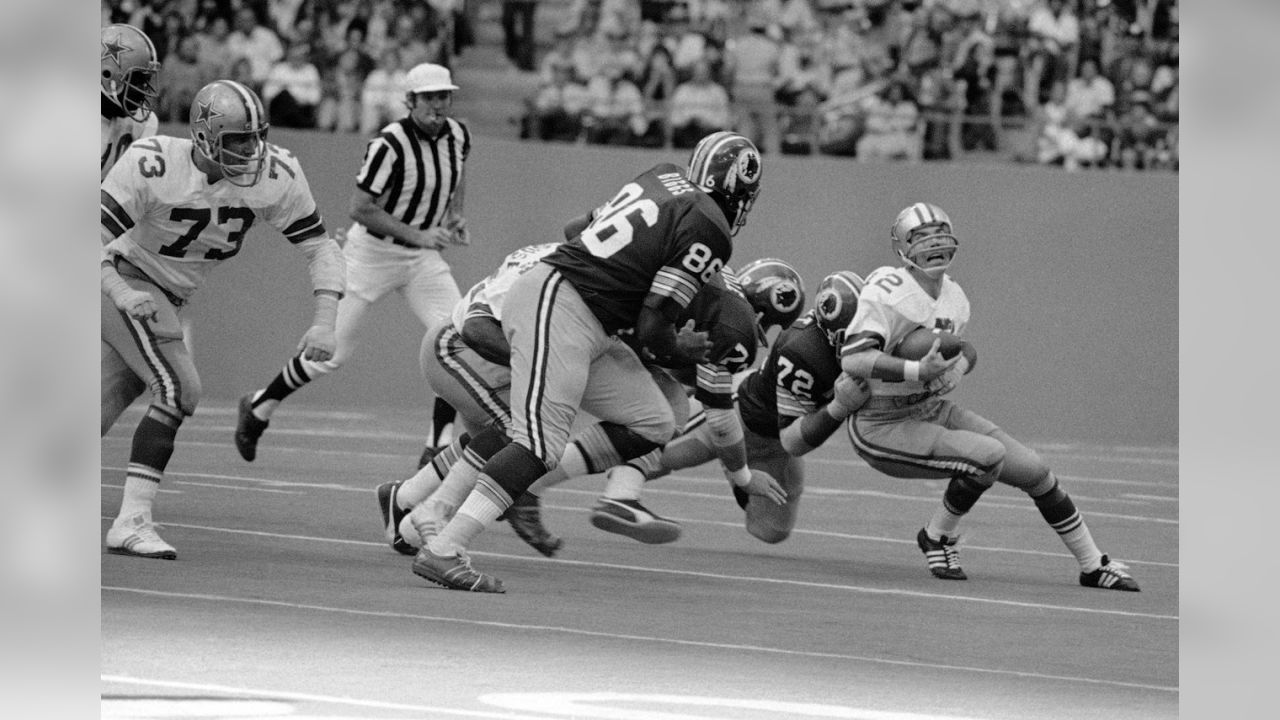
[[634, 263], [129, 69], [788, 406], [173, 209], [908, 428]]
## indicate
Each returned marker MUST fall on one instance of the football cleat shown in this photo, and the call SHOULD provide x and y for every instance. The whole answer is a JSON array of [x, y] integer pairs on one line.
[[630, 518], [137, 536], [942, 556], [454, 572], [248, 429], [1111, 575], [525, 517], [392, 514]]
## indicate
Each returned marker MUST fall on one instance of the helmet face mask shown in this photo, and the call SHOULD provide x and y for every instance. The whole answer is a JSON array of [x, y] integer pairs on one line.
[[836, 303], [129, 69], [775, 290], [922, 237], [727, 166], [229, 129]]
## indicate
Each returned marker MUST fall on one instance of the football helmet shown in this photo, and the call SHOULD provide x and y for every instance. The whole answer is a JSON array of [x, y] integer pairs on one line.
[[229, 128], [726, 165], [775, 290], [129, 68], [921, 235], [836, 303]]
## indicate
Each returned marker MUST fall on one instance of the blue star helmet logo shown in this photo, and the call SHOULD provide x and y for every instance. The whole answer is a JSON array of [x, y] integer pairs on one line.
[[206, 113], [113, 49]]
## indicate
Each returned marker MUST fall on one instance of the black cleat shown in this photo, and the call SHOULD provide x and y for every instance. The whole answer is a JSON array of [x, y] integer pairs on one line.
[[942, 556], [1111, 576], [248, 429], [525, 517]]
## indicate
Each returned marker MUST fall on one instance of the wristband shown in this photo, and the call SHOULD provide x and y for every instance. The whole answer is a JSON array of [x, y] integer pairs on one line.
[[838, 411], [911, 370], [740, 477]]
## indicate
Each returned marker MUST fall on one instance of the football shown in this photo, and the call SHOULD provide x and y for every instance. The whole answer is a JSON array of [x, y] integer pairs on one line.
[[917, 343]]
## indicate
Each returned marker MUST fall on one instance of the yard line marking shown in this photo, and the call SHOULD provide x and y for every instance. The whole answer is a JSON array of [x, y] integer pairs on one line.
[[311, 697], [931, 666], [703, 575]]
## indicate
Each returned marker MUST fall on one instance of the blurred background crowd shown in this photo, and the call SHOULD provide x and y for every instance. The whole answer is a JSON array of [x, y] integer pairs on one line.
[[1076, 83]]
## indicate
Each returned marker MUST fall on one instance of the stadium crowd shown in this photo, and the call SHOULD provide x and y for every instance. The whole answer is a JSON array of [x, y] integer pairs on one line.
[[1078, 83]]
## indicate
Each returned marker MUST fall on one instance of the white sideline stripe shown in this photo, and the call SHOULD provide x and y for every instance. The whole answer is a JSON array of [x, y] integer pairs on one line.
[[622, 636], [282, 450], [693, 573], [682, 520], [659, 490], [1162, 498], [310, 697]]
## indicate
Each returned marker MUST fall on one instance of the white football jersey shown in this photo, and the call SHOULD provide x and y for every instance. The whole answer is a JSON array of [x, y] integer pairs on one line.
[[890, 306], [485, 298], [160, 212], [119, 133]]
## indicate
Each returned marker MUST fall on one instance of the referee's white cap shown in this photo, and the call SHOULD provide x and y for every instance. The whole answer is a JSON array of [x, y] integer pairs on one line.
[[429, 77]]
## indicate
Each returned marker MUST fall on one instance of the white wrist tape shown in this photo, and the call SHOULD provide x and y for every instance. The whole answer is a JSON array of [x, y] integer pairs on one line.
[[911, 370], [739, 477]]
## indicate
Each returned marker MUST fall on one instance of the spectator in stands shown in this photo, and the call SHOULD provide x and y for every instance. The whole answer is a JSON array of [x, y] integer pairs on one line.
[[181, 77], [698, 108], [619, 16], [658, 78], [339, 109], [799, 69], [1091, 95], [556, 112], [518, 41], [752, 69], [382, 97], [560, 55], [292, 89], [921, 49], [973, 67], [1050, 51], [941, 100], [619, 55], [417, 40], [214, 52], [241, 71], [615, 115], [892, 126], [1136, 142], [791, 18], [799, 125], [255, 42], [283, 15], [1061, 137]]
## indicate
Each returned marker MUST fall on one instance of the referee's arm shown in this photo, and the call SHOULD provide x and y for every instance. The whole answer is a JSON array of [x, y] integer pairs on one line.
[[366, 211]]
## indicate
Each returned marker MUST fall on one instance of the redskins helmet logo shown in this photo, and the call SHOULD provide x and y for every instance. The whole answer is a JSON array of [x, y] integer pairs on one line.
[[784, 296], [829, 305]]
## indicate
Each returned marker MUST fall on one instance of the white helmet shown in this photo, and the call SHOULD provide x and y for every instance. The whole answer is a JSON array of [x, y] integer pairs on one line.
[[922, 237]]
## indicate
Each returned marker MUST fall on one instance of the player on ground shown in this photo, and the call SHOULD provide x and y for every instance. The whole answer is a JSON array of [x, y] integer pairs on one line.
[[636, 263], [909, 430], [172, 210]]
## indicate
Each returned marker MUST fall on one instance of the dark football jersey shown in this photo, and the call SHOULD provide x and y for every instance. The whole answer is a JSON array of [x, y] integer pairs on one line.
[[730, 324], [658, 236], [797, 378]]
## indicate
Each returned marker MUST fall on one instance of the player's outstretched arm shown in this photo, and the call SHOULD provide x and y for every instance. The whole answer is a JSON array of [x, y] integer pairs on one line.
[[810, 431], [328, 281]]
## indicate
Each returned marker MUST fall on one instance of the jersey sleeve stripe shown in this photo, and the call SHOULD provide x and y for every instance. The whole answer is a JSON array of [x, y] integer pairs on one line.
[[789, 406], [110, 225], [675, 284], [113, 209], [860, 342], [307, 223]]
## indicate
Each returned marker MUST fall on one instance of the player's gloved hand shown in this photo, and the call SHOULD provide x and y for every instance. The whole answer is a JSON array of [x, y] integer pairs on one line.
[[764, 485], [691, 344], [318, 344], [933, 364], [137, 304], [948, 380], [851, 393]]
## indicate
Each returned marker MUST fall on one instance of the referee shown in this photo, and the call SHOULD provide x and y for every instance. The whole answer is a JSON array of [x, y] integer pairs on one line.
[[406, 206]]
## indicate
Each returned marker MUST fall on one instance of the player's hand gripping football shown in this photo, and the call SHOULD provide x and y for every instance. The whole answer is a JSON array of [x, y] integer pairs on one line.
[[318, 344], [137, 304], [933, 364], [948, 380], [764, 485]]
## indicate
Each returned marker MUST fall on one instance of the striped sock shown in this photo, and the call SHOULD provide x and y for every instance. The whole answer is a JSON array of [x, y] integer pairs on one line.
[[1060, 512], [149, 456], [295, 373]]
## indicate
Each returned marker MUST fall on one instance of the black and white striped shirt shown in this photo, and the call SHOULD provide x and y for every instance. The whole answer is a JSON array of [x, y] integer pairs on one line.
[[413, 176]]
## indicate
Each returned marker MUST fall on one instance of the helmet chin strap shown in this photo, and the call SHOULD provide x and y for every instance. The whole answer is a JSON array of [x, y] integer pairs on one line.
[[933, 272]]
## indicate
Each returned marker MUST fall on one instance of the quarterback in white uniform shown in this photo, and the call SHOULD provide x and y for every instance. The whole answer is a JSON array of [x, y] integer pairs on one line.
[[172, 210], [909, 430]]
